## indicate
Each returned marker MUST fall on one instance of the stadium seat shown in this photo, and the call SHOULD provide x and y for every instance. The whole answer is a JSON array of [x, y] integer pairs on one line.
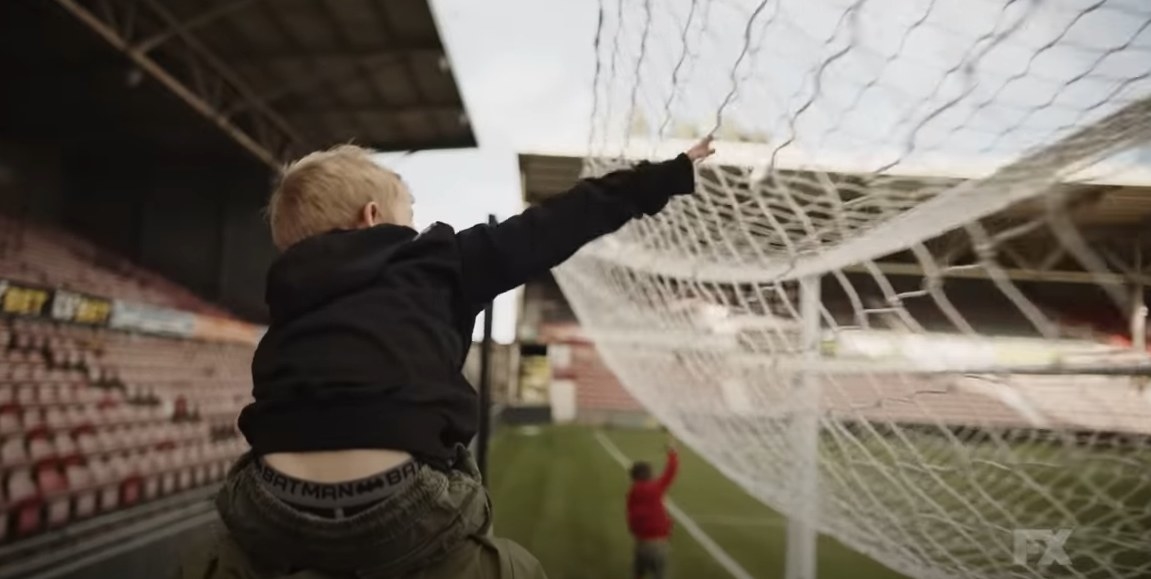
[[79, 478], [14, 451], [106, 439], [9, 420], [55, 418], [87, 442], [24, 506], [49, 393], [131, 483], [147, 465], [86, 420], [33, 419], [65, 446], [166, 465], [53, 488], [26, 394], [181, 461], [104, 479], [40, 447]]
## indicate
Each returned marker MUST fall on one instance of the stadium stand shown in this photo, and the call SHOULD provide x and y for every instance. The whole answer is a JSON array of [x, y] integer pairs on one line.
[[48, 256], [598, 390], [94, 420], [119, 387]]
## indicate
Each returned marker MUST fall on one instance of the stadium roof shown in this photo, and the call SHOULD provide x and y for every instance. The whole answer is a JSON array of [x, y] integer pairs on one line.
[[1110, 212], [279, 78]]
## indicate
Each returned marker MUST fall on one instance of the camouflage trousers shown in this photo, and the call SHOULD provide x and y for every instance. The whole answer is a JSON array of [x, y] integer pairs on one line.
[[438, 527]]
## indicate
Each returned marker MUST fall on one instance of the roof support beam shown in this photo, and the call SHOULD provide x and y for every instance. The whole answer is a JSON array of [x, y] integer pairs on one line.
[[204, 18], [203, 82], [295, 86]]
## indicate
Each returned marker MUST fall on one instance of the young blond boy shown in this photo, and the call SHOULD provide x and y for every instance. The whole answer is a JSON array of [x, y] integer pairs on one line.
[[358, 465]]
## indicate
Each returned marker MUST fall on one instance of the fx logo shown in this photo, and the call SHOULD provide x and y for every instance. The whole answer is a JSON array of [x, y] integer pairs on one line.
[[1048, 542]]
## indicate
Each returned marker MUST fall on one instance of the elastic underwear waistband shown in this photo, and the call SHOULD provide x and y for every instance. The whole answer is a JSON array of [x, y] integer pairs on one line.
[[334, 495]]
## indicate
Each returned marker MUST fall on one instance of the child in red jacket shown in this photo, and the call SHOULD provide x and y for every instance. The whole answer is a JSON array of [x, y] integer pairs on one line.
[[647, 518]]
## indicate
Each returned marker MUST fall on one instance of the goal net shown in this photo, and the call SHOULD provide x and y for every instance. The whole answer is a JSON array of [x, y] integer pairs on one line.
[[905, 304]]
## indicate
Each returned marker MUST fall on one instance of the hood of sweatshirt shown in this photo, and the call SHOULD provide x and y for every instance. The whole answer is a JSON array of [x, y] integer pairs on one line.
[[324, 267]]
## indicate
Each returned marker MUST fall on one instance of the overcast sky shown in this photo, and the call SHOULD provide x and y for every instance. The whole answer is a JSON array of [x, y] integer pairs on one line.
[[525, 69], [927, 72]]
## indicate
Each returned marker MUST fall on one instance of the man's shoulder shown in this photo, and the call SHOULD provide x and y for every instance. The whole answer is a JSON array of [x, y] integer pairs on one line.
[[486, 557], [436, 229]]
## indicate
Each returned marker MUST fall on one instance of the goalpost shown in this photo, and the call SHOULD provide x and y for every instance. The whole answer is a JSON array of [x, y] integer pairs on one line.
[[898, 308]]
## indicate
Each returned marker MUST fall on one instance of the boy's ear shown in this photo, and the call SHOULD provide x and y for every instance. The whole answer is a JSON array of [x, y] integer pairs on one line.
[[370, 215]]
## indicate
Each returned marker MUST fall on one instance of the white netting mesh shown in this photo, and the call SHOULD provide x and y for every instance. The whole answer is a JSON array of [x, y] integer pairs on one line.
[[965, 179]]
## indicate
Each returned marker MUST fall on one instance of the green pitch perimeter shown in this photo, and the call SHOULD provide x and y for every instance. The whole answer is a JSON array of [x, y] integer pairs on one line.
[[559, 493]]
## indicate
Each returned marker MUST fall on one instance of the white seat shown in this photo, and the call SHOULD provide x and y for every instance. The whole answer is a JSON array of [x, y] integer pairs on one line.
[[68, 393], [165, 465], [49, 393], [184, 475], [40, 448], [80, 477], [88, 443], [55, 418], [65, 446], [20, 486], [92, 415], [148, 465], [33, 418], [105, 438], [13, 452], [104, 477], [26, 395]]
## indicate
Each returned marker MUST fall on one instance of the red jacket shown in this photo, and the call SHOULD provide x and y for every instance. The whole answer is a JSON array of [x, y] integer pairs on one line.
[[646, 516]]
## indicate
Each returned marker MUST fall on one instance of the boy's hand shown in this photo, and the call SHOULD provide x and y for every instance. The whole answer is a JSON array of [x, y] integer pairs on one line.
[[701, 150]]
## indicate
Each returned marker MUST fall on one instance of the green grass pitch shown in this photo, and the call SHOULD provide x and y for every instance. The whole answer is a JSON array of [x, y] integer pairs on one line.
[[561, 495]]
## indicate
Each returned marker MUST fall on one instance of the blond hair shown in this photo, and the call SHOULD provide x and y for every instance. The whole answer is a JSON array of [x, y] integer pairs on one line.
[[328, 190]]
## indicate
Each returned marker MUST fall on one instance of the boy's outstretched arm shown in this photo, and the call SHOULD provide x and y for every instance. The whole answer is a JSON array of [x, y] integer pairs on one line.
[[669, 469], [498, 258]]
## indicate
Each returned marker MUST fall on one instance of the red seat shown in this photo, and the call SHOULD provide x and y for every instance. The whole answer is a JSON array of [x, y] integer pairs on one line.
[[24, 504], [131, 483], [53, 488], [9, 420]]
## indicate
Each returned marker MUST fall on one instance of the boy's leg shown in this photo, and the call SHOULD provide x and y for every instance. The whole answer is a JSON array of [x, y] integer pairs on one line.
[[651, 559], [638, 561], [660, 560]]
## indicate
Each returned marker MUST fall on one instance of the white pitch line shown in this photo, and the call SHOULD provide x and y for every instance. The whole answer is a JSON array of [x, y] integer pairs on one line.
[[737, 521], [681, 517]]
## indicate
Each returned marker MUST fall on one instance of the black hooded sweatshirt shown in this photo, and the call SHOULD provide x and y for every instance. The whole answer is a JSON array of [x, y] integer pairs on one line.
[[370, 327]]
